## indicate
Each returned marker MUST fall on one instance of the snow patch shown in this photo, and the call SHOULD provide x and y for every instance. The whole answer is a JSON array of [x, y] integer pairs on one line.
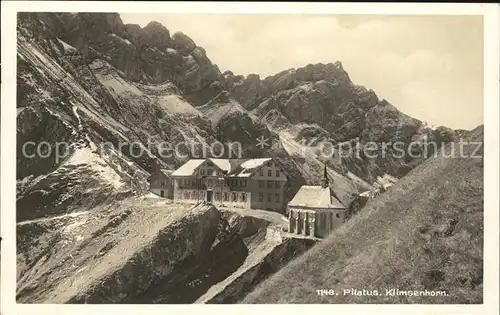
[[95, 162], [75, 112], [126, 41], [92, 145], [67, 47], [150, 195], [254, 163], [74, 225]]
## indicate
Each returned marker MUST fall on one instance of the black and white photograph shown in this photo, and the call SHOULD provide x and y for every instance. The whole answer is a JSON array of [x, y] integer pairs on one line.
[[177, 158]]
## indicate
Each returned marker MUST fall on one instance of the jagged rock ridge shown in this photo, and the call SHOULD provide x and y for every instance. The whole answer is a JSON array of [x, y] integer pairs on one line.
[[113, 91]]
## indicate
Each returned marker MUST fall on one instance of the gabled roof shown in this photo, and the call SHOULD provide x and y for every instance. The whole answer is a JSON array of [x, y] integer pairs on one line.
[[223, 164], [248, 167], [316, 197], [233, 167], [165, 172], [254, 163], [188, 168]]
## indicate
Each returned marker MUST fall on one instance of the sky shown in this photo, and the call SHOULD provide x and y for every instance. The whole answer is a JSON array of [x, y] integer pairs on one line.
[[429, 67]]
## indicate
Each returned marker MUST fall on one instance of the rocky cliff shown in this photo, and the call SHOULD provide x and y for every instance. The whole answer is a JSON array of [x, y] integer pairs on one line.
[[86, 81], [143, 250], [96, 97]]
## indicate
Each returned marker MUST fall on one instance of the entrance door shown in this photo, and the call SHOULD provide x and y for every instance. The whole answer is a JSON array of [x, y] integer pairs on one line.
[[162, 193], [311, 224], [209, 195]]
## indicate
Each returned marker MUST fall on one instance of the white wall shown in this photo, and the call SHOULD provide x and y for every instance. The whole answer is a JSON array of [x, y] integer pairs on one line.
[[195, 196]]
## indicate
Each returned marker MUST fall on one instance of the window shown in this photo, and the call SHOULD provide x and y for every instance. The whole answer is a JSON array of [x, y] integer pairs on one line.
[[276, 197], [234, 197], [261, 172], [243, 183], [269, 184], [337, 215], [202, 172], [269, 173], [243, 197], [217, 196], [261, 184], [323, 218], [269, 197], [186, 195], [276, 184], [209, 163], [226, 196], [209, 171], [277, 173], [261, 197]]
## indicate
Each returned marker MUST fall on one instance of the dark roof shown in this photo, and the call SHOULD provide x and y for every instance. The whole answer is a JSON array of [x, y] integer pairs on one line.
[[165, 172]]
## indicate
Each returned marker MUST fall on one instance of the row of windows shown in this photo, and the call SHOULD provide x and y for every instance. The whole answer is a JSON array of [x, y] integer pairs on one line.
[[161, 182], [269, 197], [234, 196], [190, 182], [269, 184], [231, 182], [269, 173], [214, 172], [236, 182], [209, 172], [321, 215]]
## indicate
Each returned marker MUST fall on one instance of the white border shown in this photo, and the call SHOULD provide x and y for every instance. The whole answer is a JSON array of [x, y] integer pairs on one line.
[[490, 13]]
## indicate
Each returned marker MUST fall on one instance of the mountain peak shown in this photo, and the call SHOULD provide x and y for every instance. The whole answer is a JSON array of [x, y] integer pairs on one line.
[[183, 43], [157, 35]]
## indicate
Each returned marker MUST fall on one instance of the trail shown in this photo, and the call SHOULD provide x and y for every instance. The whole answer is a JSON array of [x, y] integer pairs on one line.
[[73, 215]]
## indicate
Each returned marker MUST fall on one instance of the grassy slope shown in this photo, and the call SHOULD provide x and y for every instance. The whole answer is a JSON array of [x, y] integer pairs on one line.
[[426, 232]]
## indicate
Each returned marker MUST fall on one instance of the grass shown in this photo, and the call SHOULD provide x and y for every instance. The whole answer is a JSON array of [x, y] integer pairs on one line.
[[425, 233]]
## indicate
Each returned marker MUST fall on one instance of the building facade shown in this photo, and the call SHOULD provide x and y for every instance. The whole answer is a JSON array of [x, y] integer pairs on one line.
[[239, 183], [315, 211], [161, 183]]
